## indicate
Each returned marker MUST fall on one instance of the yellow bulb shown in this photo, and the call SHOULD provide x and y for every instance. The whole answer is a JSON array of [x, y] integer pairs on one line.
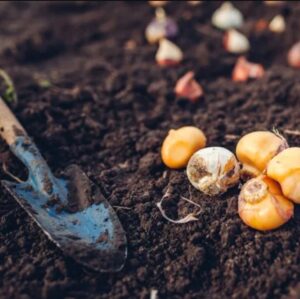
[[262, 205], [180, 145], [256, 149], [285, 169]]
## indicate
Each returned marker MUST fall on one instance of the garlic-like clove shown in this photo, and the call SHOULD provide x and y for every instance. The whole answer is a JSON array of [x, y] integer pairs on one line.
[[227, 17], [277, 24], [262, 206], [188, 87], [274, 2], [161, 27], [158, 3], [168, 53], [285, 169], [256, 149], [180, 145], [294, 55], [194, 2], [236, 42], [213, 170], [245, 70]]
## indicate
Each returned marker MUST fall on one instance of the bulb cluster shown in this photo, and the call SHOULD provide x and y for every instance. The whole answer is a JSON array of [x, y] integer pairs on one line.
[[270, 169], [212, 170], [264, 160], [266, 200], [163, 30]]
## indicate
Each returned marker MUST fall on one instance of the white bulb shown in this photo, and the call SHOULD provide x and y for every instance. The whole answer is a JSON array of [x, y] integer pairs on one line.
[[213, 170], [227, 17], [168, 53], [236, 42], [277, 24]]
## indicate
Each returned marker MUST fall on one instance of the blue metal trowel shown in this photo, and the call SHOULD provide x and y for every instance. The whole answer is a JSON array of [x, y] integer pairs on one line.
[[70, 210]]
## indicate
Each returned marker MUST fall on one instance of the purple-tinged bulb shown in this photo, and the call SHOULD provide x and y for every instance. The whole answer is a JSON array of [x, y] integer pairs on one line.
[[161, 27]]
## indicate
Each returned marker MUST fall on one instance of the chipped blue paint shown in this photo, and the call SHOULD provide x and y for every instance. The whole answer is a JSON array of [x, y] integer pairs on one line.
[[93, 236]]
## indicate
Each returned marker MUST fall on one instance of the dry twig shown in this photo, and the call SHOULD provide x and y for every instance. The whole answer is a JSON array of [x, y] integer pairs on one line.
[[231, 137], [292, 132], [7, 172]]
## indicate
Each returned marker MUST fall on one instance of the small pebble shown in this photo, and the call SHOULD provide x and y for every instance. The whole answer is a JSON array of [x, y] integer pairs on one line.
[[261, 25], [130, 45]]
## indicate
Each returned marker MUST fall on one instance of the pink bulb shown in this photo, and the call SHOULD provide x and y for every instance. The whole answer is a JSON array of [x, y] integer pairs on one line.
[[188, 87], [161, 28], [244, 70], [294, 56]]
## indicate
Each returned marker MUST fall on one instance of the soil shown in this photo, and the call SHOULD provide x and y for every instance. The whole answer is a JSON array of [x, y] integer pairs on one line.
[[91, 93]]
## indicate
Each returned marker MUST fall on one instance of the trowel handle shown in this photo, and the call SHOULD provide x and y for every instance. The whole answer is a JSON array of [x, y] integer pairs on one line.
[[10, 128], [40, 176]]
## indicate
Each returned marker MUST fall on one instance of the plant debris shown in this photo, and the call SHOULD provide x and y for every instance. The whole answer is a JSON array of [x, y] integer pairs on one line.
[[188, 218], [7, 88]]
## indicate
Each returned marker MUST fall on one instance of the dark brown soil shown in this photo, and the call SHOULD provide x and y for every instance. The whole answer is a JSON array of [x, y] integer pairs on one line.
[[108, 109]]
